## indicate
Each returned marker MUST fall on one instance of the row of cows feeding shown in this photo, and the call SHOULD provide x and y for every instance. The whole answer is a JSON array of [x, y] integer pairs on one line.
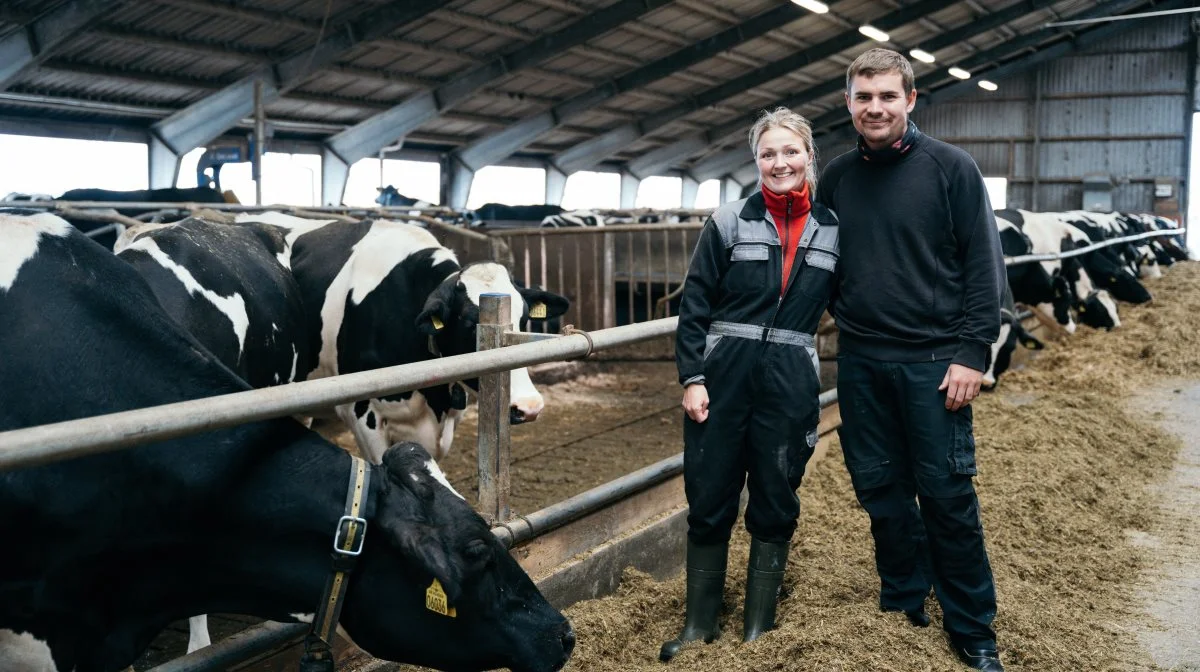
[[241, 520], [1083, 288]]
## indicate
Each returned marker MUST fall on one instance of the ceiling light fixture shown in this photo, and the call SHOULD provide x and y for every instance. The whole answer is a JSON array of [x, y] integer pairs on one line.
[[874, 33], [987, 86], [813, 6], [959, 73], [922, 55]]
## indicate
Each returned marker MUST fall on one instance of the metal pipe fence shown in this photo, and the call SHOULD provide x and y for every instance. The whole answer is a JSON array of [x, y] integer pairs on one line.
[[107, 433], [1030, 258]]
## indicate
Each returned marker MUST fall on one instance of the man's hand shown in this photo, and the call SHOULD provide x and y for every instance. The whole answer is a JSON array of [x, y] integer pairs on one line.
[[961, 385], [695, 401]]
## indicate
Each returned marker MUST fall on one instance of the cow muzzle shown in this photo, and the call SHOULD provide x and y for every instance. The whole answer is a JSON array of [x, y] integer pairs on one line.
[[519, 413]]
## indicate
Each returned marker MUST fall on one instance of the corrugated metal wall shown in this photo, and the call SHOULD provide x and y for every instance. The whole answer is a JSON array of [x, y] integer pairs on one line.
[[1121, 109]]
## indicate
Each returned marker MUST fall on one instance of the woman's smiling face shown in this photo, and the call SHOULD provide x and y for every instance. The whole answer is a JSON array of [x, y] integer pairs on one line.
[[783, 160]]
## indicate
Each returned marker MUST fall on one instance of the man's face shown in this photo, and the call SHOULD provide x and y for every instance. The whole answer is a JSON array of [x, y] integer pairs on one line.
[[879, 108]]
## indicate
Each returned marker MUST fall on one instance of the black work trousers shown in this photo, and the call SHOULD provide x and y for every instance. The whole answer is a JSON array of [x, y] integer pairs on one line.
[[761, 427], [911, 462]]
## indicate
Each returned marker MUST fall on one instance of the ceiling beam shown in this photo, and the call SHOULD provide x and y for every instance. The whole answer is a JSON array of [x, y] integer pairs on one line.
[[206, 119], [258, 16], [497, 147], [727, 161], [588, 154], [368, 137], [37, 40]]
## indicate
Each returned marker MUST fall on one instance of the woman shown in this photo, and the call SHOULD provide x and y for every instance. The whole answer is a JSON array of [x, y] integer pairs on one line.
[[759, 280]]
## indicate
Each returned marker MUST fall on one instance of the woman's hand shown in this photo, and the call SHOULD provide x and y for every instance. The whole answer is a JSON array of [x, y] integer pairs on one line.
[[695, 401]]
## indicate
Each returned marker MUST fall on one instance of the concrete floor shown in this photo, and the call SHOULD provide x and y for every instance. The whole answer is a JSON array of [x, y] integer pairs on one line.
[[1171, 594]]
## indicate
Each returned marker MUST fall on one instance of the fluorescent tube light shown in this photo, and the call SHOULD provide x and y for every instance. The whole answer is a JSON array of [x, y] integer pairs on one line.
[[922, 55], [813, 6], [874, 33]]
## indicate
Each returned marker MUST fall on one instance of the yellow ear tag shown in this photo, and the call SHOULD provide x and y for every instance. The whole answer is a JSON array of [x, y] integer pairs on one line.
[[437, 322], [435, 600], [1083, 309], [1030, 346], [538, 311]]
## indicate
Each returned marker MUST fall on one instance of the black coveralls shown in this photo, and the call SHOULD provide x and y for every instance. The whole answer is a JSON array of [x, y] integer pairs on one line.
[[755, 353]]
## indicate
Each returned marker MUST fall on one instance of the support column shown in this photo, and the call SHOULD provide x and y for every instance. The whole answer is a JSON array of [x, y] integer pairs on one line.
[[629, 189], [459, 188], [689, 189], [163, 164], [334, 174], [556, 185], [730, 190]]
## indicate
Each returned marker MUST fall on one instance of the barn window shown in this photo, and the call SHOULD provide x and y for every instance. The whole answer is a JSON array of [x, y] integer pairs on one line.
[[55, 165], [508, 185], [659, 192], [997, 188], [708, 197], [416, 179], [589, 190]]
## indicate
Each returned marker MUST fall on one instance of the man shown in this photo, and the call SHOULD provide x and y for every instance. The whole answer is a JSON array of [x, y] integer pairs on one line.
[[918, 306]]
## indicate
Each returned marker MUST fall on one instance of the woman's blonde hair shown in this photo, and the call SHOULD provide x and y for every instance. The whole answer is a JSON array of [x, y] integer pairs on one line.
[[782, 117]]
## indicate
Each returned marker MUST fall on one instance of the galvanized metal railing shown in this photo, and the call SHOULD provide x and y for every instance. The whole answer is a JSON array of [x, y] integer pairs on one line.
[[588, 263], [1053, 256]]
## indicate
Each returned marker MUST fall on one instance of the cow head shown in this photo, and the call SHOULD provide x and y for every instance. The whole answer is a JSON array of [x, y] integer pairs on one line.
[[500, 619], [1099, 311], [451, 315], [1000, 354], [1125, 287], [1059, 307]]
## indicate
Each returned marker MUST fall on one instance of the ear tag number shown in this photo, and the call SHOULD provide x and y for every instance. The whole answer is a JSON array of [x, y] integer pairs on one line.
[[435, 600], [538, 311]]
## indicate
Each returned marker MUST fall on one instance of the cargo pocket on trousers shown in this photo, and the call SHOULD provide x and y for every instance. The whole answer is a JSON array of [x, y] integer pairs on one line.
[[962, 450]]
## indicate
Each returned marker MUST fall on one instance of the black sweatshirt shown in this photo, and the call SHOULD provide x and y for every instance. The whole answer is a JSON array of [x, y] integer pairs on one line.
[[921, 272]]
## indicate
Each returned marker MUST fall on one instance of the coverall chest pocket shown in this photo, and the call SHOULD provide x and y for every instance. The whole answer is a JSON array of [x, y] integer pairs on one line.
[[748, 264], [817, 276]]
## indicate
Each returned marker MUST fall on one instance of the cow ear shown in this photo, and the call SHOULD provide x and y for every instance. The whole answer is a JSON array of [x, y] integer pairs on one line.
[[438, 307], [403, 518], [544, 305], [1029, 341], [433, 318]]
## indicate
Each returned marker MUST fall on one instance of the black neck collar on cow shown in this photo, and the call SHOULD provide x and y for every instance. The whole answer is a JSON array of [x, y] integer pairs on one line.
[[348, 540]]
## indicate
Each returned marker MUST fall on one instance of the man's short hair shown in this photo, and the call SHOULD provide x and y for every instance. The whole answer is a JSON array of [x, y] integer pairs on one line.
[[878, 62]]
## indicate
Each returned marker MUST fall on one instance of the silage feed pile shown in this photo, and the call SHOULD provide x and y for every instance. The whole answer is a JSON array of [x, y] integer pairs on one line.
[[1063, 473]]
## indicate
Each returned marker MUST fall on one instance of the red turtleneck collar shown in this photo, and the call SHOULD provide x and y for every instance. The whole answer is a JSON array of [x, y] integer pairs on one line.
[[790, 212]]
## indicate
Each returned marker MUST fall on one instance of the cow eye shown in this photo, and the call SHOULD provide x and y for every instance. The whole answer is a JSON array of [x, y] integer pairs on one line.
[[477, 550]]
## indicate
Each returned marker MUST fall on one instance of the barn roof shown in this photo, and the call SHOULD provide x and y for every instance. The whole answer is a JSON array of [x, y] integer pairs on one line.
[[648, 85]]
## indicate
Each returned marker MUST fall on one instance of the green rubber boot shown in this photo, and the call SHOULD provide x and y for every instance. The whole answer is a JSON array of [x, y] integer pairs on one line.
[[705, 588], [763, 579]]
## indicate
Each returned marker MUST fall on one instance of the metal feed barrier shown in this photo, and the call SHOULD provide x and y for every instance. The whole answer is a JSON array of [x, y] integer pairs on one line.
[[109, 433]]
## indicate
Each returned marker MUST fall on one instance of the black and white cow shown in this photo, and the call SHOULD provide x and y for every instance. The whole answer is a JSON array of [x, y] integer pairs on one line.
[[230, 286], [1114, 268], [1012, 332], [382, 293], [114, 547], [1049, 234], [1031, 283]]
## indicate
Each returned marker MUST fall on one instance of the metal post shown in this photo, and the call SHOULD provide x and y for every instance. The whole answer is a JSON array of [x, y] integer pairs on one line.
[[1037, 140], [609, 280], [495, 447], [260, 134]]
